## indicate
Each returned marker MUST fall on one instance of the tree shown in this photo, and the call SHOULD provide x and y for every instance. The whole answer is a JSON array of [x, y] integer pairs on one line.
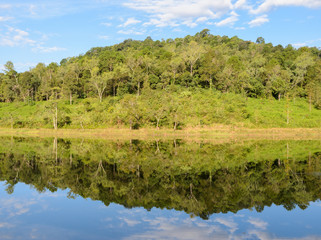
[[100, 82], [12, 85], [134, 63], [192, 53], [302, 62]]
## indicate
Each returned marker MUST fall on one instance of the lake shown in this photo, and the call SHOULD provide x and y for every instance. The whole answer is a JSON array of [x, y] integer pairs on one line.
[[53, 188]]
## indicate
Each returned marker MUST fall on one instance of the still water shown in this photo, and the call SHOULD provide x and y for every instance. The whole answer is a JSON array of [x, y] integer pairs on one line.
[[95, 189]]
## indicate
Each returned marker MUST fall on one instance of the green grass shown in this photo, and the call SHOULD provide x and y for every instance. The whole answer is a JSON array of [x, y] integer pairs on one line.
[[193, 109]]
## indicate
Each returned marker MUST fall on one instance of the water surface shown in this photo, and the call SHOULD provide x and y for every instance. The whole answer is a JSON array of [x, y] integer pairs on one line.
[[95, 189]]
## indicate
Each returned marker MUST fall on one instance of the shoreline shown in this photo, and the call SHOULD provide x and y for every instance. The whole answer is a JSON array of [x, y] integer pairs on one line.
[[206, 133]]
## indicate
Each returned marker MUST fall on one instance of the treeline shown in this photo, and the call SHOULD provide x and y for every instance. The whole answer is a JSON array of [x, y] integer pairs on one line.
[[198, 178], [258, 70]]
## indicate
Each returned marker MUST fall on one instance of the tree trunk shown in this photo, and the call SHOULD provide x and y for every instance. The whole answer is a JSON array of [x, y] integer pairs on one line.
[[138, 88], [310, 103], [287, 111], [70, 98], [55, 117], [100, 97]]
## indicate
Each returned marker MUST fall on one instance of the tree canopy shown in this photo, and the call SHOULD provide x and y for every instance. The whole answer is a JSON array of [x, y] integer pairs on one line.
[[255, 69]]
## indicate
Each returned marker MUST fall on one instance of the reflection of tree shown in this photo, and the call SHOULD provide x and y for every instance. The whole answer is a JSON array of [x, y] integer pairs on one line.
[[199, 179]]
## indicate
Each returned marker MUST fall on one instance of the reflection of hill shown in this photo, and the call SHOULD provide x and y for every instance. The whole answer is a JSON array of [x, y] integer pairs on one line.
[[200, 179]]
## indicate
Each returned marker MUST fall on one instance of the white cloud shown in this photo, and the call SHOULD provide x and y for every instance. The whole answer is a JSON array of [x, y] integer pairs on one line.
[[239, 28], [15, 37], [201, 19], [298, 45], [107, 24], [267, 5], [259, 21], [43, 49], [130, 32], [190, 23], [178, 12], [4, 19], [105, 37], [310, 43], [228, 21], [130, 21], [5, 6], [241, 4]]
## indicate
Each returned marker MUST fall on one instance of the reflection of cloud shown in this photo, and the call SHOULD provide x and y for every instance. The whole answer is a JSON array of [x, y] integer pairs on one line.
[[255, 234], [228, 223], [168, 228], [6, 225], [258, 223], [130, 222], [15, 207]]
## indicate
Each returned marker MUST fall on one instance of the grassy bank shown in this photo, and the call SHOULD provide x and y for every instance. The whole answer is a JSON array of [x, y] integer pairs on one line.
[[180, 109], [218, 134]]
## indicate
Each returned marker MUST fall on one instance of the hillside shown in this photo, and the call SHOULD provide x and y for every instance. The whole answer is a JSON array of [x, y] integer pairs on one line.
[[174, 83]]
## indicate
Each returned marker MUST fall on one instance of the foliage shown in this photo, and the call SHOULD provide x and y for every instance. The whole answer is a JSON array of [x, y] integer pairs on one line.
[[182, 69]]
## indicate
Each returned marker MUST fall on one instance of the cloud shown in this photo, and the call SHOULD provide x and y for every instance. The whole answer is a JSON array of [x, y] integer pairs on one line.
[[5, 6], [43, 49], [4, 19], [228, 21], [105, 37], [310, 43], [241, 4], [130, 32], [15, 37], [130, 21], [180, 12], [259, 21], [267, 5], [107, 24]]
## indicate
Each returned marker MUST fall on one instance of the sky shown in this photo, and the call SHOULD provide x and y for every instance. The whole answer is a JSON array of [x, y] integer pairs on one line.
[[34, 31]]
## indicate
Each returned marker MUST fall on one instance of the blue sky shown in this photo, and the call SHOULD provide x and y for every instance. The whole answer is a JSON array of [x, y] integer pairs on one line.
[[33, 31]]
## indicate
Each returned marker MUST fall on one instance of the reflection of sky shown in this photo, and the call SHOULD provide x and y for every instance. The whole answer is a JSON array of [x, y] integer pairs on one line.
[[25, 214]]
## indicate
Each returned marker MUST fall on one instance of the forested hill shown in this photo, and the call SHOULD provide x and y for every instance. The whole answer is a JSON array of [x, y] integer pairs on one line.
[[193, 63], [207, 61]]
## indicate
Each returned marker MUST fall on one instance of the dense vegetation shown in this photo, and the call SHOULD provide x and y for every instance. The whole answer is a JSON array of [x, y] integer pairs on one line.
[[196, 80], [198, 178]]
